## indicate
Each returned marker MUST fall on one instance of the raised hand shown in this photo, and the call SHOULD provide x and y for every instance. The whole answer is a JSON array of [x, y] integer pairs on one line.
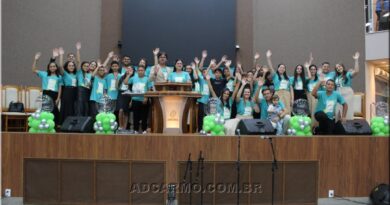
[[193, 66], [37, 55], [258, 67], [257, 56], [55, 52], [244, 82], [204, 54], [265, 69], [61, 51], [78, 45], [268, 54], [306, 64], [224, 58], [260, 81], [156, 51], [238, 76], [196, 60], [213, 62], [228, 63], [356, 56], [311, 57], [207, 77], [111, 54], [99, 63]]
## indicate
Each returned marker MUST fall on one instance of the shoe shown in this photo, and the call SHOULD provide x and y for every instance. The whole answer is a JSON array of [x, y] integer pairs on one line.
[[144, 132]]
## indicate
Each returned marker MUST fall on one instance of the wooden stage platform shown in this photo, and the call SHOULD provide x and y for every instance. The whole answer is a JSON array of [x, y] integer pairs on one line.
[[350, 165]]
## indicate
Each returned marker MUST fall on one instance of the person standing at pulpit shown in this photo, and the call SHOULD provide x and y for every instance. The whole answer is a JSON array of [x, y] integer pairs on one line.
[[326, 106], [160, 71], [178, 76], [140, 84]]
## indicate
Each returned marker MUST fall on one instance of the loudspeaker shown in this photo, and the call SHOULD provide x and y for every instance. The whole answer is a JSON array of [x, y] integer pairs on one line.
[[353, 127], [256, 127], [380, 195], [77, 124]]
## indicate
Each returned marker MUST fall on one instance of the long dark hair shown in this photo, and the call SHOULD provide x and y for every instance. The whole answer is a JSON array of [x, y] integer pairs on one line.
[[174, 66], [315, 76], [57, 72], [284, 74], [343, 74], [81, 68], [221, 97], [302, 75], [66, 65]]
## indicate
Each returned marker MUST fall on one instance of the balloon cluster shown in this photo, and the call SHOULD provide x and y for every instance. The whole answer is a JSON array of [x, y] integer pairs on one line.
[[41, 122], [105, 123], [213, 124], [380, 126], [300, 126]]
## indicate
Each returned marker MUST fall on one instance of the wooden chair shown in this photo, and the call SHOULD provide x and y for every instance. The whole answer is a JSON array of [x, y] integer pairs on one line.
[[359, 105], [31, 95], [13, 121]]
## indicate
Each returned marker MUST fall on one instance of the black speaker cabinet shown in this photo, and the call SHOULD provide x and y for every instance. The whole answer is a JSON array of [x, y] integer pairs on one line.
[[77, 124], [353, 127], [255, 127]]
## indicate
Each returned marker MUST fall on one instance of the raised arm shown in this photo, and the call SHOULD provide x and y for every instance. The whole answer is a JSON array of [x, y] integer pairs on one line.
[[307, 65], [99, 64], [236, 84], [34, 65], [315, 89], [356, 68], [260, 84], [238, 97], [204, 56], [269, 61], [61, 53], [223, 60], [78, 56], [256, 58], [155, 53], [210, 86], [109, 56], [56, 53]]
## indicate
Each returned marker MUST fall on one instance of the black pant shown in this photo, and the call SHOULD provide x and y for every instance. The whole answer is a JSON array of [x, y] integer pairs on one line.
[[83, 101], [201, 114], [326, 125], [140, 113]]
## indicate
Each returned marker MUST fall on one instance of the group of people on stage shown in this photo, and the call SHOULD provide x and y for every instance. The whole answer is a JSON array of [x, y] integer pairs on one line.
[[261, 92]]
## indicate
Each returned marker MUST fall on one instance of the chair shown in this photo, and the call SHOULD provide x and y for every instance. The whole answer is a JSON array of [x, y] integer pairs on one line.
[[31, 95], [359, 106], [13, 121]]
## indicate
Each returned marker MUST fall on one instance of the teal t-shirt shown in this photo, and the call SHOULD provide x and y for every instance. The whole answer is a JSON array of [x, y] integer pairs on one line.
[[311, 83], [245, 108], [50, 82], [298, 83], [328, 103], [264, 108], [230, 84], [112, 89], [227, 109], [340, 82], [204, 90], [140, 85], [69, 79], [99, 86], [83, 80], [283, 84], [181, 77], [327, 76]]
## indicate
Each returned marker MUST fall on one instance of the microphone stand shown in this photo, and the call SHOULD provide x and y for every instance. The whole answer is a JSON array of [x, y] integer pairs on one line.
[[238, 165], [274, 168], [189, 169]]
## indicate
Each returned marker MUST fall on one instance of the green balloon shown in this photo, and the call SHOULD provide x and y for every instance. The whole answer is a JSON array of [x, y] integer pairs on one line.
[[35, 124], [293, 120], [385, 129], [307, 129], [206, 128], [212, 118], [106, 121], [99, 117], [52, 131], [300, 133], [111, 116], [382, 134], [32, 130], [99, 132], [376, 130], [51, 116], [51, 124], [214, 133], [218, 128], [30, 119], [106, 127], [109, 132], [309, 134], [45, 115], [221, 133]]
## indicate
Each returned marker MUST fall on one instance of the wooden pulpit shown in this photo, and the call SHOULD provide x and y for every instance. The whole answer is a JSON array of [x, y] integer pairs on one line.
[[173, 108]]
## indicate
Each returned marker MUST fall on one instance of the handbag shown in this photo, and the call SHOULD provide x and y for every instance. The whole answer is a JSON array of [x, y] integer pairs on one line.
[[15, 107]]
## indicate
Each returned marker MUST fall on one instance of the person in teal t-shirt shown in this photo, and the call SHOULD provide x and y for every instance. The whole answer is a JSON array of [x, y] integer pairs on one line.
[[245, 106], [326, 107], [99, 87], [178, 76], [69, 91], [51, 82], [84, 80], [140, 85]]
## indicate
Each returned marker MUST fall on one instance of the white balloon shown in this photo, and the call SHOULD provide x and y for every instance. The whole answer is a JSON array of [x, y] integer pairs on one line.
[[386, 121], [46, 126], [40, 126], [113, 127], [100, 128], [111, 121], [306, 123], [99, 123], [221, 121], [302, 127], [293, 131], [43, 120]]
